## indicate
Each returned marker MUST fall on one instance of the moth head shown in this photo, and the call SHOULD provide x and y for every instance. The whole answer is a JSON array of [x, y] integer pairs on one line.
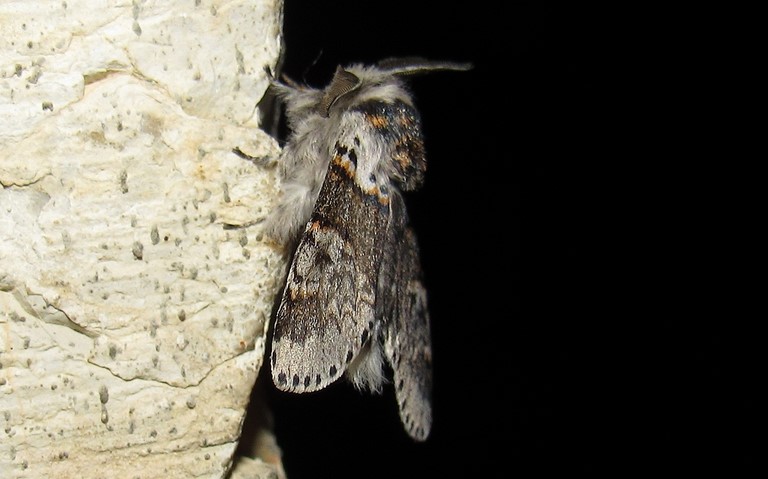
[[345, 82]]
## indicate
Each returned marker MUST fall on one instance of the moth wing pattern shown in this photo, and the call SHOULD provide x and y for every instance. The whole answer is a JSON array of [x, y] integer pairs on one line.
[[354, 296], [408, 345], [327, 314]]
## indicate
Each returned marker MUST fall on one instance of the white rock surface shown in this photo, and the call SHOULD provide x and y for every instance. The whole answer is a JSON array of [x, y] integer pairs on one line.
[[135, 286]]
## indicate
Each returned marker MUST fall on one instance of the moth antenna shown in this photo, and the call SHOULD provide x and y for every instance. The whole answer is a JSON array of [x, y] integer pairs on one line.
[[343, 82], [291, 82], [419, 66], [312, 65]]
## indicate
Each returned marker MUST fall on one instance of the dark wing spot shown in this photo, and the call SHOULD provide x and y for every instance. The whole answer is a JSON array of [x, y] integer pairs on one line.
[[281, 379], [306, 381], [357, 141], [400, 385], [341, 150], [332, 371], [318, 380], [349, 356], [364, 337], [295, 380], [372, 178], [353, 157]]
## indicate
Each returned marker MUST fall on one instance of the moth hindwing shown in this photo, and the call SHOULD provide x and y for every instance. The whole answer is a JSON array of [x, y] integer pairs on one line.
[[354, 299]]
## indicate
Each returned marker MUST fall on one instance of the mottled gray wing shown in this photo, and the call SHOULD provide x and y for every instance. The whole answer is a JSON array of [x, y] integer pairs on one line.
[[327, 311], [408, 344]]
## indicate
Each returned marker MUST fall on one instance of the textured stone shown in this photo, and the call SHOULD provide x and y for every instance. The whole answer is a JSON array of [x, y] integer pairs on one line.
[[135, 286]]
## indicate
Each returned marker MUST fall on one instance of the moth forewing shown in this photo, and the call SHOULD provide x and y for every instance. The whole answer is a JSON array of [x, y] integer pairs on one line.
[[326, 314]]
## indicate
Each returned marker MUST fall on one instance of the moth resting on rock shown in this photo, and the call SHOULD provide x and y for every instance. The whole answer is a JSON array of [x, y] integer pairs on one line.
[[354, 297]]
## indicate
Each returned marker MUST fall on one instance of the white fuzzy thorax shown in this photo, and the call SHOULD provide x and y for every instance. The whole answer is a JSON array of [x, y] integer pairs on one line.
[[305, 157]]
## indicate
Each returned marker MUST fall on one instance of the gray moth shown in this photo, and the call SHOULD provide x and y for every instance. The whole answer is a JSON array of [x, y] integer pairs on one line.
[[354, 301]]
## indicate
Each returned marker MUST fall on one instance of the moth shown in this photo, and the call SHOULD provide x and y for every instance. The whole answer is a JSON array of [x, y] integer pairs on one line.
[[354, 301]]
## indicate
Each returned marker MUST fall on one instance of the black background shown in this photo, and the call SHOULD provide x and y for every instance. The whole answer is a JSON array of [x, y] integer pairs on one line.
[[517, 388], [547, 359]]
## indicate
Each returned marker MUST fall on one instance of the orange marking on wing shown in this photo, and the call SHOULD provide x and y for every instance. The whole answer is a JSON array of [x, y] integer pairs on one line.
[[405, 121], [375, 191], [378, 121], [403, 158], [347, 166]]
